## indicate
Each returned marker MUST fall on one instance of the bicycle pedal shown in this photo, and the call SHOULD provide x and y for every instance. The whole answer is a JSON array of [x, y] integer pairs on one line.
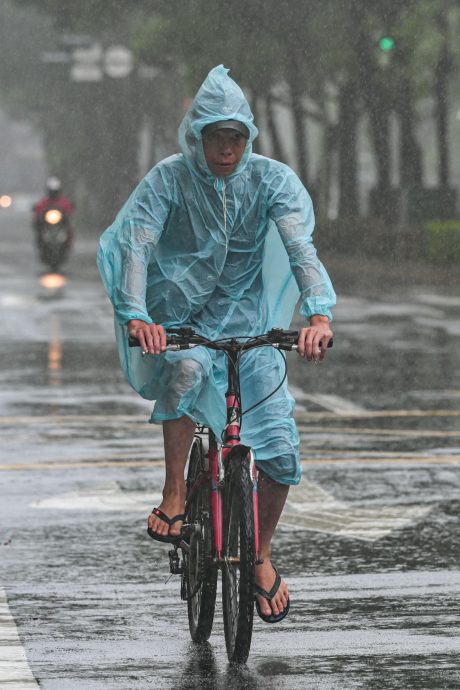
[[189, 529], [176, 565]]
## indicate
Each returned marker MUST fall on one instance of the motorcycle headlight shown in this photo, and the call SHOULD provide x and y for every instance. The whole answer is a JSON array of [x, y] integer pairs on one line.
[[53, 216], [5, 201]]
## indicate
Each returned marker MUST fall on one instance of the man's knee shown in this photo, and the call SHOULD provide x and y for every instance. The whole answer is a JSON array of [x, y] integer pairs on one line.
[[284, 470], [187, 372]]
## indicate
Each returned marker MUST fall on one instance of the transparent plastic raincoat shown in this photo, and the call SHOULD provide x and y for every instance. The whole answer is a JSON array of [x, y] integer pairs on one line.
[[227, 256]]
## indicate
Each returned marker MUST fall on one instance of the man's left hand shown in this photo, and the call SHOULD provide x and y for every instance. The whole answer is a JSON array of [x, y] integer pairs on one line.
[[313, 341]]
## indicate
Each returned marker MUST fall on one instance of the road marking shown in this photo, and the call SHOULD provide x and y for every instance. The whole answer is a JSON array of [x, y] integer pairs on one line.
[[109, 497], [334, 403], [15, 672], [377, 414], [363, 457], [311, 508], [89, 464], [301, 415], [16, 301], [365, 460], [377, 432], [432, 396]]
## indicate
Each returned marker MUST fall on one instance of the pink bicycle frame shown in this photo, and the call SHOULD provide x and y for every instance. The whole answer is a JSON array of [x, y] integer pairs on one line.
[[217, 457]]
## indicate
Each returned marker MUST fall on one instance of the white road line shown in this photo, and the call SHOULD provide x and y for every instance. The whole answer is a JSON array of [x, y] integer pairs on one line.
[[15, 673], [309, 429], [334, 403], [109, 497], [310, 507], [79, 420]]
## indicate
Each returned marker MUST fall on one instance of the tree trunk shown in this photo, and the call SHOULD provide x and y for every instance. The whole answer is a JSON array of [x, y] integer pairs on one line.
[[441, 82], [255, 108], [277, 147], [299, 123], [411, 155], [379, 115], [374, 91], [347, 131]]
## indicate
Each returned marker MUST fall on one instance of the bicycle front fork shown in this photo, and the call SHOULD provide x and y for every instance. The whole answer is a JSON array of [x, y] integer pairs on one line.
[[215, 457]]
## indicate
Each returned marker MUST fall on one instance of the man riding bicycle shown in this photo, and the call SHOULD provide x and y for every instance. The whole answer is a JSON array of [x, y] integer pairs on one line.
[[219, 239]]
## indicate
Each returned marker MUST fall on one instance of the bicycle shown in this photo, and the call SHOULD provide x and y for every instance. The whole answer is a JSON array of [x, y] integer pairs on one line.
[[221, 528]]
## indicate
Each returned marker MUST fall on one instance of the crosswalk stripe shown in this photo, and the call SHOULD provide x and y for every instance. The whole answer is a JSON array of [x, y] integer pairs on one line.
[[15, 672], [334, 403]]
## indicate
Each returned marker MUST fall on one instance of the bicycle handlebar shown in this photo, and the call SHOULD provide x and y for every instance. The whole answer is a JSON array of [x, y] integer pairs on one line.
[[186, 338]]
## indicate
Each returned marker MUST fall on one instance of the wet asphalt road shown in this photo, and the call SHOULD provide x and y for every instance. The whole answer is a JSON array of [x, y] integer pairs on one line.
[[369, 541]]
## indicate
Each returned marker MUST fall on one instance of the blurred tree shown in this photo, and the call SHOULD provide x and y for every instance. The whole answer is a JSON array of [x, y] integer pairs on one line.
[[331, 63], [426, 60], [90, 128]]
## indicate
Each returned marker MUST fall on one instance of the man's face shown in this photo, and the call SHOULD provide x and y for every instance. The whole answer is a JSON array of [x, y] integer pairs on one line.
[[223, 150]]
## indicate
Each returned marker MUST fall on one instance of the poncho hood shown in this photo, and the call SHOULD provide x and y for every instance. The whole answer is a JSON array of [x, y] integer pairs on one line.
[[218, 98]]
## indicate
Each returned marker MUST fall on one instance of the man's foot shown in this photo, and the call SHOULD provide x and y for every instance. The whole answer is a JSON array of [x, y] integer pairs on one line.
[[171, 505], [265, 579]]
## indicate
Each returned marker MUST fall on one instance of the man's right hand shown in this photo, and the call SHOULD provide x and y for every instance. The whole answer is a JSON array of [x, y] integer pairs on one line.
[[151, 336]]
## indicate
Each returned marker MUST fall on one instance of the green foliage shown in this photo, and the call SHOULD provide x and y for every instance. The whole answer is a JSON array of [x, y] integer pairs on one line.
[[420, 37], [443, 243]]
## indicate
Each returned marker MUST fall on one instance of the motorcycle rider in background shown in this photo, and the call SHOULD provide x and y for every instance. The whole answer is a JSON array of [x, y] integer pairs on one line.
[[53, 200]]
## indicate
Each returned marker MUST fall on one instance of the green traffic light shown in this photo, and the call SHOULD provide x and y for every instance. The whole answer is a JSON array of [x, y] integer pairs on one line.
[[386, 44]]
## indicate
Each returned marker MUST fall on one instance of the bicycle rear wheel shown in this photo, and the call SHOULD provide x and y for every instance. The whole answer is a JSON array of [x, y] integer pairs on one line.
[[239, 558], [200, 573]]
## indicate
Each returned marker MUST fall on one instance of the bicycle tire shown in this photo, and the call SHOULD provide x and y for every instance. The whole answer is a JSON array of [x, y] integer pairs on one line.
[[200, 573], [238, 545]]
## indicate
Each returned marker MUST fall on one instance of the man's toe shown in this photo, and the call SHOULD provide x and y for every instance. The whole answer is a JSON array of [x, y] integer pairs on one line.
[[266, 608], [276, 607]]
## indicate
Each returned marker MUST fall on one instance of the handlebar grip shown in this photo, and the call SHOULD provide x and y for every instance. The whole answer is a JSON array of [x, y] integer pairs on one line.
[[171, 343], [289, 347]]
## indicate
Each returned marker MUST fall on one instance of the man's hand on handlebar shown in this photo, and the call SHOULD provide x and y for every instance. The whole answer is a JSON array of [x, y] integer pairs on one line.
[[314, 339], [151, 336]]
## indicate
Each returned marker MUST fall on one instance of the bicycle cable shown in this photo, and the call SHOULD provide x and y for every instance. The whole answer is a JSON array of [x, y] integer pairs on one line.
[[236, 369], [260, 402], [237, 396]]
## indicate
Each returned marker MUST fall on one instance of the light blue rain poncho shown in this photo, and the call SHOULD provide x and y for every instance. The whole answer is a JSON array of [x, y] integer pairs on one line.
[[227, 256]]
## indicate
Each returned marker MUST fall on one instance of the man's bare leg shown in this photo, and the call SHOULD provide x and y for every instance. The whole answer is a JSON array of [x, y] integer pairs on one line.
[[178, 437], [272, 497]]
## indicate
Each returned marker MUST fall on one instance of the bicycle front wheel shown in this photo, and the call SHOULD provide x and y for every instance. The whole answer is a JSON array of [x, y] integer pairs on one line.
[[200, 573], [239, 558]]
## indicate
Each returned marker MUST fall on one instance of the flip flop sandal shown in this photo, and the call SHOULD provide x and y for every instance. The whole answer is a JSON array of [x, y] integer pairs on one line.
[[272, 618], [166, 538]]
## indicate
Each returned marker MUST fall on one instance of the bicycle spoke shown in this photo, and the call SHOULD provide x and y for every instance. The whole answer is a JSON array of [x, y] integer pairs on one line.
[[238, 573], [200, 573]]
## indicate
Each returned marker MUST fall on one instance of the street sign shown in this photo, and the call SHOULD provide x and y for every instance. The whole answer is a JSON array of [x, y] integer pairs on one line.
[[91, 62], [86, 65], [76, 40], [118, 62], [55, 57]]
